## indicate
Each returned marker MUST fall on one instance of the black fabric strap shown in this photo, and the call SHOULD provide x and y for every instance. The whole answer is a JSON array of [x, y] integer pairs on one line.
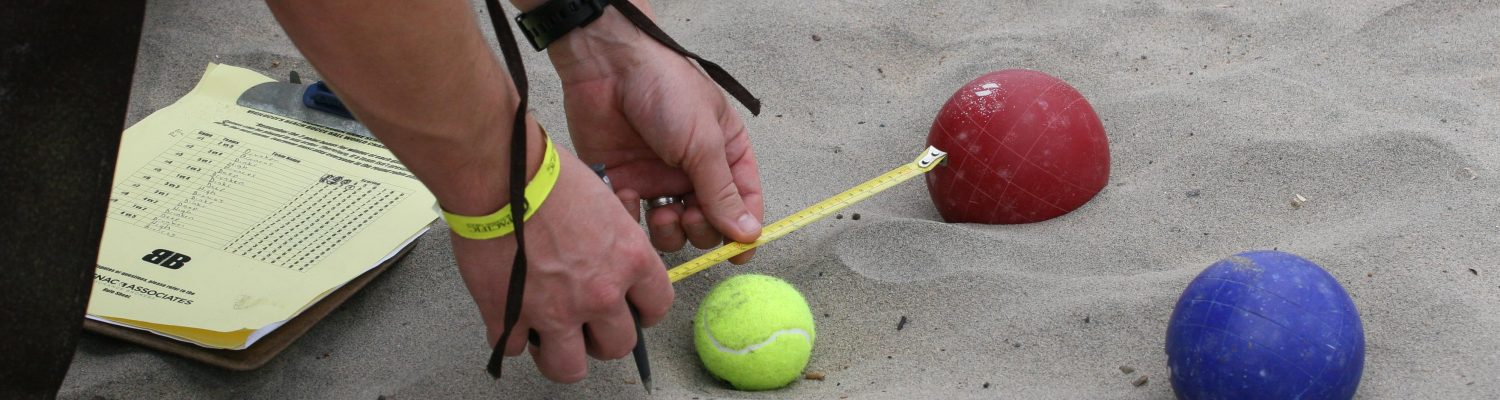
[[714, 71], [516, 292]]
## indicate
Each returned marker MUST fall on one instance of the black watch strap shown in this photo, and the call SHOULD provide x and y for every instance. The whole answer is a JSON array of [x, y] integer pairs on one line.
[[556, 18]]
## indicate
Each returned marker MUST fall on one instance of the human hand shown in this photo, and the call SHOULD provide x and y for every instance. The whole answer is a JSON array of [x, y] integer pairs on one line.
[[586, 259], [662, 128]]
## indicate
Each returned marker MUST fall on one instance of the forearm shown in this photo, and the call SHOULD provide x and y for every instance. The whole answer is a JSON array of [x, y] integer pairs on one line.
[[421, 77]]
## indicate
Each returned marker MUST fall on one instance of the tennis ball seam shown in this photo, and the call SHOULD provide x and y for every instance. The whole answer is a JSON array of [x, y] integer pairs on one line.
[[754, 346]]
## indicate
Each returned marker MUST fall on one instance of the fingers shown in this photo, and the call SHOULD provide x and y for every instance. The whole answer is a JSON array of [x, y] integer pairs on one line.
[[707, 167], [611, 336], [666, 228], [632, 202], [747, 177], [742, 258], [652, 296], [586, 260], [561, 355], [517, 341], [696, 226]]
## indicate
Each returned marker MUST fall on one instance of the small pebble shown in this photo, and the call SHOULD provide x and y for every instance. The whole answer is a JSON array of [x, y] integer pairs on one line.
[[1474, 271], [1194, 193], [631, 382], [1140, 381], [1298, 201], [1126, 370], [987, 385], [1468, 173], [815, 376], [840, 216], [817, 38], [855, 216]]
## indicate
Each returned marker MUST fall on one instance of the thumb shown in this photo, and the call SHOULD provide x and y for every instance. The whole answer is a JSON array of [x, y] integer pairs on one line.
[[713, 184]]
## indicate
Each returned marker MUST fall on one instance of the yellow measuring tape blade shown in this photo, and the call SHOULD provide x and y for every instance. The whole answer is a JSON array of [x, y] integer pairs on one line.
[[921, 165]]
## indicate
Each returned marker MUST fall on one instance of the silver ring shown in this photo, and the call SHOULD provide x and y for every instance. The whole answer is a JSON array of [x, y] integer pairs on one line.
[[661, 201]]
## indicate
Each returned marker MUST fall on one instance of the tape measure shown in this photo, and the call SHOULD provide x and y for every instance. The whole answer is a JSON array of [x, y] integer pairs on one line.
[[822, 209]]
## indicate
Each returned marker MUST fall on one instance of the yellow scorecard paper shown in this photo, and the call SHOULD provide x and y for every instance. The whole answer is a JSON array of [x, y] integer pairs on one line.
[[225, 221]]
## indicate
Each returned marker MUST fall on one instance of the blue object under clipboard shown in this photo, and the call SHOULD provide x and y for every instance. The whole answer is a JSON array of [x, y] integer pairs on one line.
[[314, 103]]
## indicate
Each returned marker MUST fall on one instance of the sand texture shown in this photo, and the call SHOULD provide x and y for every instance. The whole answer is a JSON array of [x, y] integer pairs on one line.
[[1382, 114]]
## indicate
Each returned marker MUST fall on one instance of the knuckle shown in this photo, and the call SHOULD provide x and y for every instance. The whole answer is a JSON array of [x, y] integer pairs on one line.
[[548, 311], [601, 296], [697, 147], [726, 194], [548, 318], [640, 256]]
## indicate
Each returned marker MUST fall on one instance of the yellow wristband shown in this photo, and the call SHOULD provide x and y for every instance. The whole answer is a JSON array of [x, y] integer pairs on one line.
[[499, 223]]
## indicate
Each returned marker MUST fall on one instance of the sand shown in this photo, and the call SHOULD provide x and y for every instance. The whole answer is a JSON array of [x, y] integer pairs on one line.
[[1374, 111]]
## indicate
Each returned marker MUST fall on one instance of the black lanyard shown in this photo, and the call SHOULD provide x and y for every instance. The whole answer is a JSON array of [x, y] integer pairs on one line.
[[518, 205], [517, 287]]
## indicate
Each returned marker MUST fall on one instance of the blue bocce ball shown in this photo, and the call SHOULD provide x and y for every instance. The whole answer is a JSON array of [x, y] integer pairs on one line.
[[1265, 325]]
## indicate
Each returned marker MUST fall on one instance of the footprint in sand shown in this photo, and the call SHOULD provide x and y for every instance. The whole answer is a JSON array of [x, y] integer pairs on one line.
[[917, 250]]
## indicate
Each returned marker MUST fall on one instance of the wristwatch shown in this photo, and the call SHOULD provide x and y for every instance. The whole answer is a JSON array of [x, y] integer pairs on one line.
[[556, 18]]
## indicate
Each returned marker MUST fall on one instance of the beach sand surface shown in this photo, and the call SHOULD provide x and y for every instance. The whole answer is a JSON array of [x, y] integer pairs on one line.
[[1382, 114]]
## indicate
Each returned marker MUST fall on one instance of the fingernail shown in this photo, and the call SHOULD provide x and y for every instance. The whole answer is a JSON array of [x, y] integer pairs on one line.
[[748, 223]]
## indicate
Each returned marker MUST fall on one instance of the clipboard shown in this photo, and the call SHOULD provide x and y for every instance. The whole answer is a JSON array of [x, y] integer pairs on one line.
[[260, 353], [316, 104]]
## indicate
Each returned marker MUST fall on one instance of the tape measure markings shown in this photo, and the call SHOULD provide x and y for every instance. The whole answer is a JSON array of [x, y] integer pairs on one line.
[[806, 216]]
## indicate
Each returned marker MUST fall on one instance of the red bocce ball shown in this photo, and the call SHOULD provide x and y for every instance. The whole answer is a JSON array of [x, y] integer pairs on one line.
[[1022, 147]]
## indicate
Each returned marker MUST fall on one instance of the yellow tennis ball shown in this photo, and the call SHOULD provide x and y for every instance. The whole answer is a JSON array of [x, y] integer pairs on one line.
[[754, 331]]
